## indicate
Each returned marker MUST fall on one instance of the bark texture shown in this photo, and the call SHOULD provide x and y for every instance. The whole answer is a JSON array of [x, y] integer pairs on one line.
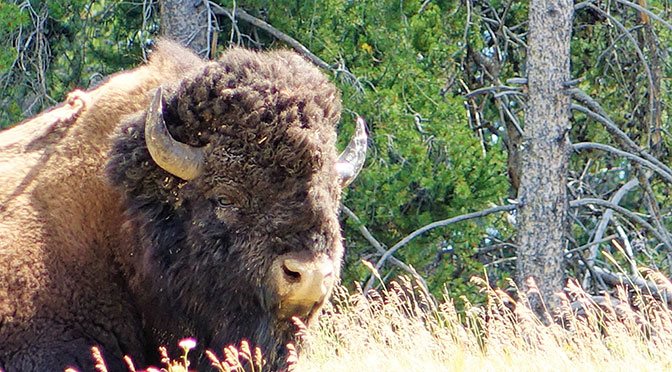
[[188, 23], [545, 153]]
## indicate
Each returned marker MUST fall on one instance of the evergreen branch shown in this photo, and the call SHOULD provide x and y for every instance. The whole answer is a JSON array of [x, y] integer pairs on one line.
[[239, 13], [300, 48]]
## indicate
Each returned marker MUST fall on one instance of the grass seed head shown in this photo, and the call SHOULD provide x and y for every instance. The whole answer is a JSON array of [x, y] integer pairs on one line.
[[245, 351], [98, 357], [129, 363], [292, 358], [258, 358], [187, 344], [165, 359]]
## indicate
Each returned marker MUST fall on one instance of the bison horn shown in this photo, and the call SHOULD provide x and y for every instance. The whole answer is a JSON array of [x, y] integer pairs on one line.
[[351, 160], [175, 157]]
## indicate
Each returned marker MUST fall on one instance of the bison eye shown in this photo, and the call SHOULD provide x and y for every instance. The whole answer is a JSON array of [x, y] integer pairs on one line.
[[222, 202]]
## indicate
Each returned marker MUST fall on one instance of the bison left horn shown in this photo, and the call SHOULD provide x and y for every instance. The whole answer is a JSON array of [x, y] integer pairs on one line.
[[351, 160], [176, 158]]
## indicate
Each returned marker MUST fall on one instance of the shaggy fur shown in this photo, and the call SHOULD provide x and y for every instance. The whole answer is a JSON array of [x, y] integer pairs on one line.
[[100, 246]]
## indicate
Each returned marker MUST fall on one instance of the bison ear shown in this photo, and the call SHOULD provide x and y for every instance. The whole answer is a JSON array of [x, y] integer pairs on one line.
[[351, 160], [176, 158]]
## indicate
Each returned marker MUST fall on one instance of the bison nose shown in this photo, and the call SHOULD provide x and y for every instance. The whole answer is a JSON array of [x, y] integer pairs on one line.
[[304, 284], [311, 280]]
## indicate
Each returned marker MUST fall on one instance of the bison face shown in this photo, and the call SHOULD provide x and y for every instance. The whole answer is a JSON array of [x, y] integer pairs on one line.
[[238, 221], [279, 208]]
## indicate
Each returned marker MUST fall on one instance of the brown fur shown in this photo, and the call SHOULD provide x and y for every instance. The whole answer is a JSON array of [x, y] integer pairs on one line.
[[99, 246]]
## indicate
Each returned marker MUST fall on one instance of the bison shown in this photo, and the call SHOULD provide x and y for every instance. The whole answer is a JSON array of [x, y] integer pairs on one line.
[[181, 198]]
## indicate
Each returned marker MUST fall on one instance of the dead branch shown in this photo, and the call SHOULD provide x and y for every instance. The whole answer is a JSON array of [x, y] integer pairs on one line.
[[493, 89], [604, 221], [638, 50], [600, 146], [646, 11], [422, 230], [613, 129], [651, 202], [636, 281], [239, 13], [379, 247], [592, 273], [632, 216]]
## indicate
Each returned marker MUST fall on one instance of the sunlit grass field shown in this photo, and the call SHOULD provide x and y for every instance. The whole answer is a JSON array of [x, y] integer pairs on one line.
[[401, 329], [405, 332]]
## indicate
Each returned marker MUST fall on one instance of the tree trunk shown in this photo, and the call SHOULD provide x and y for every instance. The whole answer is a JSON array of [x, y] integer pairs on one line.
[[188, 22], [542, 220]]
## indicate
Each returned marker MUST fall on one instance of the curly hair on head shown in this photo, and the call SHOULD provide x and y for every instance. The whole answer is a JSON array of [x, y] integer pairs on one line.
[[267, 116], [261, 94]]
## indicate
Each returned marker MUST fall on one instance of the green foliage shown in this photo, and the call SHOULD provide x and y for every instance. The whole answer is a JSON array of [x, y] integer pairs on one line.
[[96, 39], [64, 45], [12, 18]]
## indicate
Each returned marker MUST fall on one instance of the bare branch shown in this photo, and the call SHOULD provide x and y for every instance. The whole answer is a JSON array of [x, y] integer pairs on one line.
[[634, 281], [613, 129], [596, 112], [591, 271], [652, 204], [422, 230], [423, 6], [613, 44], [648, 12], [604, 221], [601, 146], [625, 212], [583, 4], [493, 89], [379, 247], [602, 240], [639, 52], [240, 13]]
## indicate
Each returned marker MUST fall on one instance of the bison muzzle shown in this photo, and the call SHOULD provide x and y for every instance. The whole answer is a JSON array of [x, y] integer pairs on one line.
[[184, 198]]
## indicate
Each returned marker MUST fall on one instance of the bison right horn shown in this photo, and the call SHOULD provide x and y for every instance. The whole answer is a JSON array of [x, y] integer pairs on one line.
[[351, 160], [176, 158]]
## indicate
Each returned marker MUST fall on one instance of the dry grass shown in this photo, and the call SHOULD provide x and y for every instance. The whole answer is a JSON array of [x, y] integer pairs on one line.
[[401, 329]]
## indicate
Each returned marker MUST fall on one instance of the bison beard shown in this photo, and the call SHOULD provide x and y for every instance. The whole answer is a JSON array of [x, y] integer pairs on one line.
[[230, 249]]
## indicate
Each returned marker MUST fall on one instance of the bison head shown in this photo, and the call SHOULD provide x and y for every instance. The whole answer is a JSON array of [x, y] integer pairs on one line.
[[232, 186]]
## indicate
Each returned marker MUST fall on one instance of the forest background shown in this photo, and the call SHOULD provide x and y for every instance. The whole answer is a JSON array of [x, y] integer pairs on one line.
[[442, 85]]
